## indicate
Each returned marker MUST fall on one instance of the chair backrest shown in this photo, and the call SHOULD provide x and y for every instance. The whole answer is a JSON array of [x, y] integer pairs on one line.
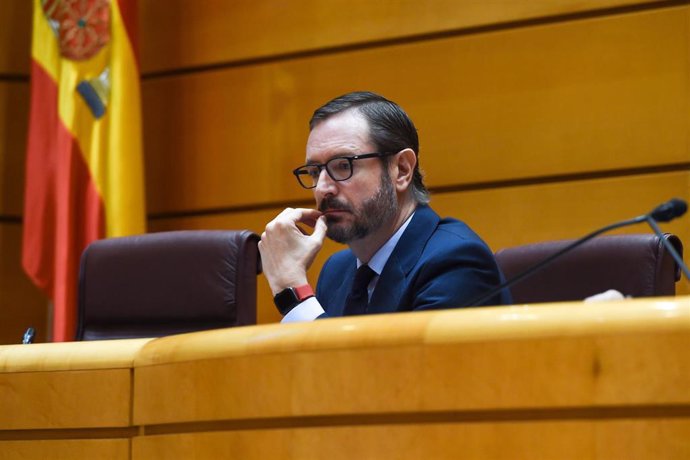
[[635, 265], [167, 283]]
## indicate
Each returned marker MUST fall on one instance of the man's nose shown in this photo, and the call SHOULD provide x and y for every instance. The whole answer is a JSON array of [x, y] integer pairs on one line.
[[325, 185]]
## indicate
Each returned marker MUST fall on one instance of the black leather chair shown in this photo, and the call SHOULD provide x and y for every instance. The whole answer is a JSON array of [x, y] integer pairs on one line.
[[635, 265], [167, 283]]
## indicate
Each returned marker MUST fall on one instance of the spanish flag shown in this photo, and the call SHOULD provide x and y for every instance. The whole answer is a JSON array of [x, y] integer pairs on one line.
[[84, 168]]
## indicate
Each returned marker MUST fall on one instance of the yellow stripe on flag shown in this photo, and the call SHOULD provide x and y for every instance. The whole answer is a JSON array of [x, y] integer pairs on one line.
[[124, 185]]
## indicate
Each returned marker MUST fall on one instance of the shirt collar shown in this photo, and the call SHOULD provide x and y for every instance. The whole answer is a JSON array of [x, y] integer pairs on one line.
[[378, 261]]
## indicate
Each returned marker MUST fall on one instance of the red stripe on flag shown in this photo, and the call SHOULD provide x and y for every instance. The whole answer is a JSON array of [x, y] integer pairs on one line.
[[38, 256], [63, 211]]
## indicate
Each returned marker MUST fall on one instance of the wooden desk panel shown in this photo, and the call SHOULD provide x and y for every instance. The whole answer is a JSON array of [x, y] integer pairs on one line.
[[568, 380], [495, 440], [67, 400], [623, 354]]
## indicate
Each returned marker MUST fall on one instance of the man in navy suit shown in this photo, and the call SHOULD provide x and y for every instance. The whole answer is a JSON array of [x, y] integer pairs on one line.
[[362, 164]]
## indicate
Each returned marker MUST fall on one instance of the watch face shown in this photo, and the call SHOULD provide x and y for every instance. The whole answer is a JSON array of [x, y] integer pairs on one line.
[[285, 300], [288, 298]]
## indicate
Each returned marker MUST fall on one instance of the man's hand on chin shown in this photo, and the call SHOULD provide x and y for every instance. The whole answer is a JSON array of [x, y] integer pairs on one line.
[[287, 251]]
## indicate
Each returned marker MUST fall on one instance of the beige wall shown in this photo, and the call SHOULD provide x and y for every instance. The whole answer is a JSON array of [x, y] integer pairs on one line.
[[537, 120]]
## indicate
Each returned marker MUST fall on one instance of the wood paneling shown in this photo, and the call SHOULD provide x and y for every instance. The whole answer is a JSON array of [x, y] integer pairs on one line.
[[564, 440], [505, 382], [177, 34], [526, 214], [67, 400], [15, 37], [504, 217], [340, 381], [60, 399], [14, 116], [600, 94], [73, 385], [567, 380], [22, 304], [66, 449]]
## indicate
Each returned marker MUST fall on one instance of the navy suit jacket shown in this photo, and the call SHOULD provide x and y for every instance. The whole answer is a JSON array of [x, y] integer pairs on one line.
[[437, 263]]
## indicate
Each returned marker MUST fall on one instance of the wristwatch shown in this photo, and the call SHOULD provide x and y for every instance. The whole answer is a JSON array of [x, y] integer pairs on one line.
[[289, 298]]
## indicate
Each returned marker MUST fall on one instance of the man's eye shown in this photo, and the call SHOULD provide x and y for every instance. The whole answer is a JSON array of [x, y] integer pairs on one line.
[[341, 165], [313, 172]]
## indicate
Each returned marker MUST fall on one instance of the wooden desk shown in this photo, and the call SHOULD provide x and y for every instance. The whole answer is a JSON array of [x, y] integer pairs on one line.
[[571, 380], [67, 400]]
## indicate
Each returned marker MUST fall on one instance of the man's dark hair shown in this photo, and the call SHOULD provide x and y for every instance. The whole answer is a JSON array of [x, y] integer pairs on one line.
[[390, 129]]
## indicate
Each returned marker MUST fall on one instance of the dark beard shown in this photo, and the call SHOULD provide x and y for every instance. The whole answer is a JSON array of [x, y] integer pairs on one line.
[[374, 213]]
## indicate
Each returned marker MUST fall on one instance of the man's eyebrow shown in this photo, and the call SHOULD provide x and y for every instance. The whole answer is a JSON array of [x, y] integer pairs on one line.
[[345, 154], [337, 155]]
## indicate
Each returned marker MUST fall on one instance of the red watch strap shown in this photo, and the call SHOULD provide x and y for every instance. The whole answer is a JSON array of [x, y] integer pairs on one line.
[[303, 292]]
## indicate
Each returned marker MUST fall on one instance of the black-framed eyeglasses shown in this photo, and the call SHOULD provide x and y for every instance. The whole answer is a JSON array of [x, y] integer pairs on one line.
[[338, 168]]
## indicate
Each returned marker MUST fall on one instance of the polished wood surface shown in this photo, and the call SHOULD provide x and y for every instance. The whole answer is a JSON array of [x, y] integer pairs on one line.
[[653, 438], [583, 350], [68, 399], [70, 356], [567, 380], [67, 385], [553, 381], [185, 35]]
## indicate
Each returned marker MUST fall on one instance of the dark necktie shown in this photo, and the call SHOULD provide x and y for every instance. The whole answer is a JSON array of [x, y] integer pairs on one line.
[[358, 299]]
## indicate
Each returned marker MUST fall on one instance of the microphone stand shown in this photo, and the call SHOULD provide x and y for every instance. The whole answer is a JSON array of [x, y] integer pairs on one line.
[[479, 300], [669, 247]]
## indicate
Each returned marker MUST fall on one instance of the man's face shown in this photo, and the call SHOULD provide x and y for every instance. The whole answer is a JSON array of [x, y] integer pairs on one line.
[[356, 207]]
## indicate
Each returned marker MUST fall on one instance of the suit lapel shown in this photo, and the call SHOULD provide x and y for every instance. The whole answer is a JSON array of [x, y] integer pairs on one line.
[[346, 273], [392, 282]]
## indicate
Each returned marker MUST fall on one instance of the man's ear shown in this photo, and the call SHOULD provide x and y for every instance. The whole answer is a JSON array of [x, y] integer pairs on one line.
[[404, 163]]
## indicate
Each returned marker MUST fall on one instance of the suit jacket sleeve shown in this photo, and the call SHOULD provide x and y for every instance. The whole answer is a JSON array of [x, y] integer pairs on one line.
[[451, 276]]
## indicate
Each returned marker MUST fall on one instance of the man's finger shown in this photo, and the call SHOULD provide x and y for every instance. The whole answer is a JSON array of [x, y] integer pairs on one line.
[[320, 229], [302, 215]]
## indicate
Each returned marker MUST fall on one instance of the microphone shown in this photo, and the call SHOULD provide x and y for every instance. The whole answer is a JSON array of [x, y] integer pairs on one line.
[[664, 212], [29, 336], [668, 211]]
